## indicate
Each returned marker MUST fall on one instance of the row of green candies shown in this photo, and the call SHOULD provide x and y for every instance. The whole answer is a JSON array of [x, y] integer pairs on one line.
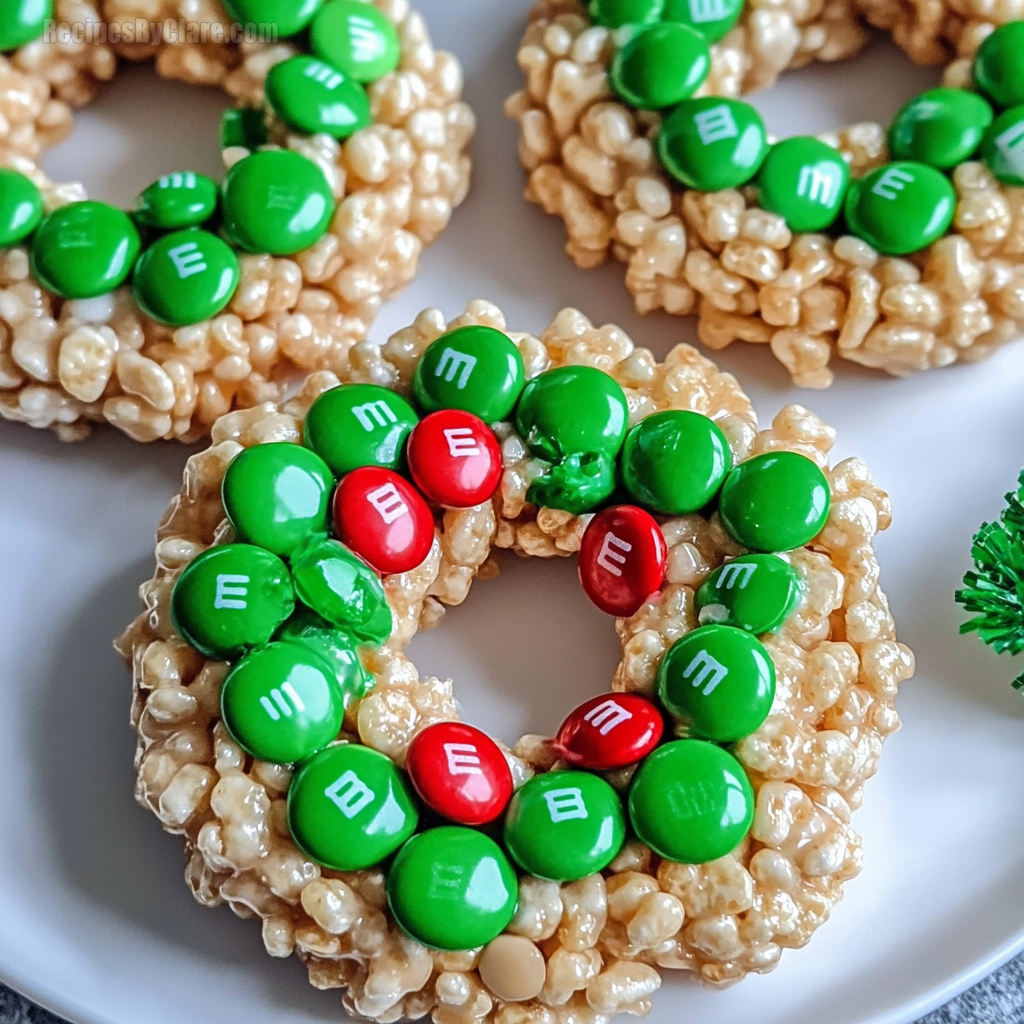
[[273, 201], [454, 887], [901, 207]]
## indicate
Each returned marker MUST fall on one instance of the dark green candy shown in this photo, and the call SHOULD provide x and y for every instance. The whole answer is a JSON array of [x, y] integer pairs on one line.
[[712, 18], [186, 277], [1003, 147], [337, 648], [576, 484], [357, 425], [281, 703], [290, 16], [231, 598], [718, 682], [941, 127], [616, 13], [452, 888], [84, 249], [277, 495], [21, 207], [674, 462], [474, 368], [23, 21], [276, 202], [691, 802], [752, 592], [180, 200], [660, 65], [804, 180], [356, 38], [999, 65], [777, 501], [712, 143], [314, 97], [243, 126], [349, 807], [341, 588]]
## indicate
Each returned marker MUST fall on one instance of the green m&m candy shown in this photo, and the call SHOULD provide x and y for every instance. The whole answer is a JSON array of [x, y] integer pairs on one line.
[[290, 16], [84, 249], [276, 202], [314, 97], [23, 21], [356, 38], [180, 200], [231, 598], [712, 143], [804, 180], [185, 277], [901, 207], [452, 888], [1002, 148], [358, 425], [660, 65], [718, 682], [777, 501], [341, 588], [277, 495], [998, 66], [577, 484], [711, 18], [691, 802], [674, 462], [281, 703], [941, 127], [752, 592], [21, 207], [349, 808], [334, 646], [243, 126], [616, 13], [563, 826], [474, 368]]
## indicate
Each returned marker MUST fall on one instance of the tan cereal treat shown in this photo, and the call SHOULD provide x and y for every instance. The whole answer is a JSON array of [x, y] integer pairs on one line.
[[588, 949], [591, 160], [67, 364]]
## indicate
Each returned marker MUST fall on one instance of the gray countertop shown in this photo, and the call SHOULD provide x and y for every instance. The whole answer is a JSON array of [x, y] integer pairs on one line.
[[997, 1000]]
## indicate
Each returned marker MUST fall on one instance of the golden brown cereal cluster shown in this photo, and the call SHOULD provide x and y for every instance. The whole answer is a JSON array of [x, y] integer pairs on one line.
[[605, 938], [66, 365], [591, 161]]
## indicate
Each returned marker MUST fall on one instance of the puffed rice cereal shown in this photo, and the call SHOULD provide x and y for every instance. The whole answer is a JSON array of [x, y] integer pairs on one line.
[[604, 939], [591, 161], [65, 365]]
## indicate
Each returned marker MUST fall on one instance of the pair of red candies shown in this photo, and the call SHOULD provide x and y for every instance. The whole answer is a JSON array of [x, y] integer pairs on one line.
[[454, 459], [461, 773]]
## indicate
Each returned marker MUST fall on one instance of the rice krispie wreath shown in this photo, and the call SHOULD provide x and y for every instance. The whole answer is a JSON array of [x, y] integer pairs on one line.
[[900, 249], [325, 788], [344, 156]]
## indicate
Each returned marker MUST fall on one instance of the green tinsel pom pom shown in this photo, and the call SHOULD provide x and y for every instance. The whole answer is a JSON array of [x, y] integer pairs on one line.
[[994, 591]]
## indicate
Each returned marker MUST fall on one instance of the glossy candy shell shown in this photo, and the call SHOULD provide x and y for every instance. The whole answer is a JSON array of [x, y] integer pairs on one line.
[[356, 38], [455, 459], [752, 592], [659, 66], [21, 207], [175, 201], [609, 732], [383, 518], [460, 773], [316, 98], [622, 559]]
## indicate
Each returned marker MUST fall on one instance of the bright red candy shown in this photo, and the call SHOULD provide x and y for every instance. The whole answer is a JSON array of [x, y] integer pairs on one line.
[[611, 731], [622, 559], [382, 517], [460, 772], [455, 458]]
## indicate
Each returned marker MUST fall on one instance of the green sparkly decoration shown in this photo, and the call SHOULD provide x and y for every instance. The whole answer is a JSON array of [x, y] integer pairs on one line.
[[993, 590]]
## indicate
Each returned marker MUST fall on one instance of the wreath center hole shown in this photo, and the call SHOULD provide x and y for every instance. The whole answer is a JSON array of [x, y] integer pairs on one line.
[[524, 649], [138, 128]]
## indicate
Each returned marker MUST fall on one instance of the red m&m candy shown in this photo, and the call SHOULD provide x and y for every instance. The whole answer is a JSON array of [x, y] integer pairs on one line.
[[460, 772], [622, 559], [609, 732], [382, 518], [455, 458]]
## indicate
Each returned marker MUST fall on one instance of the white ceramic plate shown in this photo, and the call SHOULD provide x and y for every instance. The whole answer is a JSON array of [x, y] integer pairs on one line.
[[95, 921]]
